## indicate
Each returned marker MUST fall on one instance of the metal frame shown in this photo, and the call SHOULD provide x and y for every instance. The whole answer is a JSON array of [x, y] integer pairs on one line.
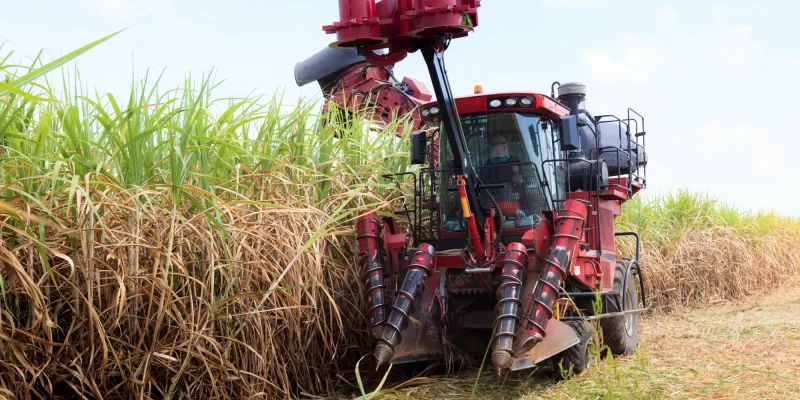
[[632, 266], [428, 180], [405, 212], [462, 161]]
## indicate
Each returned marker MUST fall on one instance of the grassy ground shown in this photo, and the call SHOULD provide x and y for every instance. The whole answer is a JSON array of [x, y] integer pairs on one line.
[[748, 349]]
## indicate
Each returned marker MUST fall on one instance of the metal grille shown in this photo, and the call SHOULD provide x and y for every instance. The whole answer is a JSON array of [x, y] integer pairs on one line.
[[521, 197], [516, 187], [428, 216]]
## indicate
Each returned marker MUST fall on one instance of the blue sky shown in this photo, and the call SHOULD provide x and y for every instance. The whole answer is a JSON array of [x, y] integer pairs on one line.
[[717, 81]]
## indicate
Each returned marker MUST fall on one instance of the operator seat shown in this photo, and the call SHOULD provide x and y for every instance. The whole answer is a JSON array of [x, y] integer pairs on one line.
[[521, 198]]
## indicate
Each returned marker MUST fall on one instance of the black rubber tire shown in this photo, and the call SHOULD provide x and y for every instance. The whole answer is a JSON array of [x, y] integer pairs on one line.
[[620, 340], [575, 357]]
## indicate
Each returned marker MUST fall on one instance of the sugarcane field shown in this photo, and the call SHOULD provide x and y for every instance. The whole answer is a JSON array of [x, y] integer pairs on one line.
[[577, 199]]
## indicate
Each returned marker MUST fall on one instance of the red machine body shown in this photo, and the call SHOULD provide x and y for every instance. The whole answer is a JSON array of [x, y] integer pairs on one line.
[[479, 103], [512, 229], [399, 24], [360, 88], [374, 93]]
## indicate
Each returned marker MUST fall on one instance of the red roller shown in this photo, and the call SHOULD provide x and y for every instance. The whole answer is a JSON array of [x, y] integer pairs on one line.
[[568, 233], [369, 233], [421, 265], [508, 303]]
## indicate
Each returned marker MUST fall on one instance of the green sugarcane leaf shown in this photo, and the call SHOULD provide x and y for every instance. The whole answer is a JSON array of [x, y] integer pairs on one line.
[[6, 88], [38, 72]]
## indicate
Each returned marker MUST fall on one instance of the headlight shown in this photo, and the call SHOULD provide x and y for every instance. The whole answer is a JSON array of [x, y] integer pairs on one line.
[[526, 101], [511, 102], [495, 103], [434, 110], [426, 113]]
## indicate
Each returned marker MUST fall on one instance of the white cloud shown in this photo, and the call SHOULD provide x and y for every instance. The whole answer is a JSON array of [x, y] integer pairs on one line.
[[634, 65], [639, 60], [732, 47], [129, 9], [116, 9], [603, 67], [716, 13], [571, 2], [666, 21], [735, 156]]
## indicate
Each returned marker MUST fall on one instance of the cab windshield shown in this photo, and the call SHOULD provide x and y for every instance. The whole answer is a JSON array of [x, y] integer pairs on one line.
[[497, 138], [507, 150]]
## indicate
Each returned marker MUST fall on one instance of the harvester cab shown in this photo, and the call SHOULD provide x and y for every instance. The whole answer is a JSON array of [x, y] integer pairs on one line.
[[512, 230], [509, 137]]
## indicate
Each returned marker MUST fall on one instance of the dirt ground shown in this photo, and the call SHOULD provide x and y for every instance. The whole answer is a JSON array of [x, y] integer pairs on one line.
[[749, 349]]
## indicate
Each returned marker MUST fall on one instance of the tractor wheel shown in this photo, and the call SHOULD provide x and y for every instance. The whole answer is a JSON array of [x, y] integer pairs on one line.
[[575, 357], [621, 334]]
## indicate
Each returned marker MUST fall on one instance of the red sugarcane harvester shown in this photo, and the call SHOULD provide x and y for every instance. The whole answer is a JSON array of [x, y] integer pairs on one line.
[[511, 238]]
